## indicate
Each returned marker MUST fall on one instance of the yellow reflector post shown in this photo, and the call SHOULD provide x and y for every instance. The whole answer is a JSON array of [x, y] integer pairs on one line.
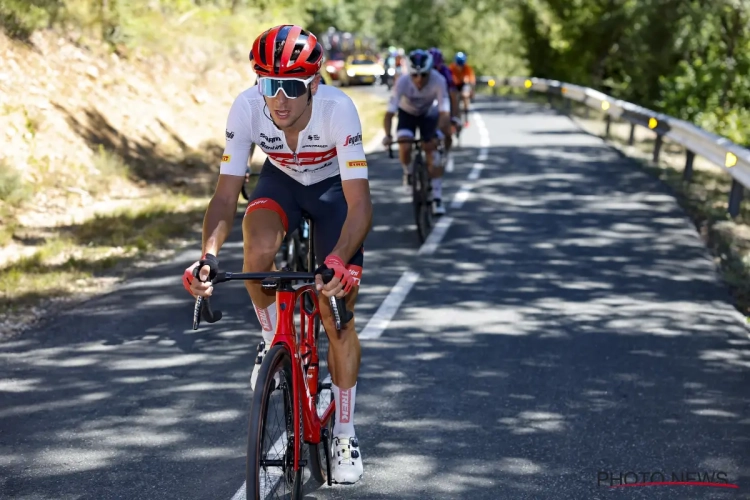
[[652, 123], [491, 83], [605, 105], [527, 84], [730, 160], [563, 90]]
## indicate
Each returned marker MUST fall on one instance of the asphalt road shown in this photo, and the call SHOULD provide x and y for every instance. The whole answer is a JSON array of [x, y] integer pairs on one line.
[[569, 323]]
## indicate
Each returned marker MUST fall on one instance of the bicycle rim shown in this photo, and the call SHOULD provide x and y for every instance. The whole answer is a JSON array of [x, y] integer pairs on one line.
[[271, 435]]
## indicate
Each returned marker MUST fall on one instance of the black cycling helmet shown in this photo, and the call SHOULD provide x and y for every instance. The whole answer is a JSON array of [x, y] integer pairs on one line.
[[420, 62]]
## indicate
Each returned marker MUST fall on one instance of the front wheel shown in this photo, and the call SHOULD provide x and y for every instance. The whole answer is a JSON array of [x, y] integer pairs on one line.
[[272, 436]]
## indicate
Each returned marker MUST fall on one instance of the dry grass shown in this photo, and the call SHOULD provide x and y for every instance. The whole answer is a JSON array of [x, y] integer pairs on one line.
[[72, 257]]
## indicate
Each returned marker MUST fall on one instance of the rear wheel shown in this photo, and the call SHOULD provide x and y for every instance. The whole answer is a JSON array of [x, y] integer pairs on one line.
[[272, 436], [421, 199]]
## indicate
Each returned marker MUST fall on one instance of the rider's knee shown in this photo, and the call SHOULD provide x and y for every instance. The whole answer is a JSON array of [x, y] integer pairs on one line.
[[260, 250]]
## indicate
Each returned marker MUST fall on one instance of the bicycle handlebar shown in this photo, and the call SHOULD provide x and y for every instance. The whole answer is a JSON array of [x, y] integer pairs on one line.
[[203, 308], [402, 141]]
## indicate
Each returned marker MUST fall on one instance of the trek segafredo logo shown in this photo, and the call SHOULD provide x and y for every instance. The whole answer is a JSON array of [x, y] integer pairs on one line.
[[353, 140]]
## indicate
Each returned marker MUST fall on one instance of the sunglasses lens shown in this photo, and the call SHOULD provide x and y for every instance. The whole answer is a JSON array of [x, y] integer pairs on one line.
[[269, 87]]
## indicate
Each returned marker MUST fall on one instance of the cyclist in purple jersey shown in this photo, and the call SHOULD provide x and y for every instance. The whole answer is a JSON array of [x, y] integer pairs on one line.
[[439, 65]]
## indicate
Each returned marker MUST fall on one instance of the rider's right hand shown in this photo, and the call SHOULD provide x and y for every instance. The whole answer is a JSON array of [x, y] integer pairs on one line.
[[209, 266], [387, 140]]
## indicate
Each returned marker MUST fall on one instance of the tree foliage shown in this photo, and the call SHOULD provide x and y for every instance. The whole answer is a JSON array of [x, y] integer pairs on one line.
[[688, 58]]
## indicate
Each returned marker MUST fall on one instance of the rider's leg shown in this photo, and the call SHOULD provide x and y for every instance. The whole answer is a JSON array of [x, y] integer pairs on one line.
[[428, 128], [269, 213], [326, 204], [407, 126]]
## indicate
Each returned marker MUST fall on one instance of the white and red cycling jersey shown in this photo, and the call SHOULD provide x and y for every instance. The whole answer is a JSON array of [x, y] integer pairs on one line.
[[330, 145]]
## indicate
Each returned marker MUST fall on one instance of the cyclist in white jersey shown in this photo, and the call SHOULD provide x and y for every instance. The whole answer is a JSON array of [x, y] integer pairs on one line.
[[413, 97], [316, 165]]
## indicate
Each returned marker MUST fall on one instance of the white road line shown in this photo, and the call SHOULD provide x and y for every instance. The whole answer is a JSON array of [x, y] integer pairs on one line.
[[241, 494], [379, 321], [482, 154], [474, 174], [449, 164], [436, 235], [461, 196]]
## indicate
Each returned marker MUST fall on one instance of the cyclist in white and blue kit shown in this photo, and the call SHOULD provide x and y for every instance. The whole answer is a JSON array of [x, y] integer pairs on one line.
[[413, 98]]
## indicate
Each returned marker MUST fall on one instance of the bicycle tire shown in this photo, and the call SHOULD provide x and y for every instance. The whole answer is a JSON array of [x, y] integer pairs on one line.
[[276, 361], [420, 198]]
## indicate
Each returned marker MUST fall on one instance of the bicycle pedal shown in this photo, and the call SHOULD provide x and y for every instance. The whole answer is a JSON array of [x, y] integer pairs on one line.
[[325, 386]]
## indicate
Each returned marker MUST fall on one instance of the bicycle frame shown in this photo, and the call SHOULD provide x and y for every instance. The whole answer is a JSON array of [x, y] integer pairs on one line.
[[304, 379]]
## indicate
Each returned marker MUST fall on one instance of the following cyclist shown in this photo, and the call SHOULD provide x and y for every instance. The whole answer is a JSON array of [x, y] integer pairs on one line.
[[463, 77], [439, 63], [412, 99], [316, 164]]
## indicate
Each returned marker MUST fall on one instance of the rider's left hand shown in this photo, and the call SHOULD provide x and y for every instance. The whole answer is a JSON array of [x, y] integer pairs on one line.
[[342, 281]]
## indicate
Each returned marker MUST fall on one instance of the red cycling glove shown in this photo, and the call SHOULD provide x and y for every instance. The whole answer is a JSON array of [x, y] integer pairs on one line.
[[208, 260], [340, 271], [187, 276]]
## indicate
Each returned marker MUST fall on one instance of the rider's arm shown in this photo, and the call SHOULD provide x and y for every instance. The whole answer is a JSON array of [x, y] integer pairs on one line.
[[217, 223], [353, 170], [444, 105], [470, 75], [392, 106]]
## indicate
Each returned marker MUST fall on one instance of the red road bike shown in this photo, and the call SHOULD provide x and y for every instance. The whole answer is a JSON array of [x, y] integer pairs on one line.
[[294, 375]]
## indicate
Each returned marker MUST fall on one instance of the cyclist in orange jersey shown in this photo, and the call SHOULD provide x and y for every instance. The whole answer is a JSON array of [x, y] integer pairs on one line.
[[465, 81]]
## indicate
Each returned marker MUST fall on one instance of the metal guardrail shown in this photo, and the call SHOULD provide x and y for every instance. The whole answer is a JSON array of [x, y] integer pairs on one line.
[[734, 159]]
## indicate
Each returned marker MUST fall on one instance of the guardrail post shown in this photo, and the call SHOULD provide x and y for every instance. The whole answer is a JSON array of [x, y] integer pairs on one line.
[[657, 148], [632, 134], [735, 198], [687, 174], [567, 105], [609, 122]]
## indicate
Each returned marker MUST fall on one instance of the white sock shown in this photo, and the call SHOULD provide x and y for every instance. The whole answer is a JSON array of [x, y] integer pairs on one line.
[[437, 188], [344, 399], [267, 318]]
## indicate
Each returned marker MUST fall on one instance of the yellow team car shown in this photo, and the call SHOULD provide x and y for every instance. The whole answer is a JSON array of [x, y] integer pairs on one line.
[[360, 69]]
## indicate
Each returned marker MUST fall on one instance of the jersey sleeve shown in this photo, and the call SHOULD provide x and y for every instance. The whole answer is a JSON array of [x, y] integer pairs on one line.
[[396, 95], [347, 133], [238, 139], [444, 99]]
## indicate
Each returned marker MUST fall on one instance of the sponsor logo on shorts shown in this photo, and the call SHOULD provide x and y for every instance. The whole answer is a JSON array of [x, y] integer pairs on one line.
[[261, 201], [353, 140], [356, 164], [226, 158]]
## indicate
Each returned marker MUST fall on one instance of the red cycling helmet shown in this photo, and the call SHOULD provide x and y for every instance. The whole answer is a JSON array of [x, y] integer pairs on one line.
[[286, 51]]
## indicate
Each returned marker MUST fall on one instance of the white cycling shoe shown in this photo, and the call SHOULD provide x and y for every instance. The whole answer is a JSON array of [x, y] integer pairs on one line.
[[346, 460], [437, 207], [262, 351]]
